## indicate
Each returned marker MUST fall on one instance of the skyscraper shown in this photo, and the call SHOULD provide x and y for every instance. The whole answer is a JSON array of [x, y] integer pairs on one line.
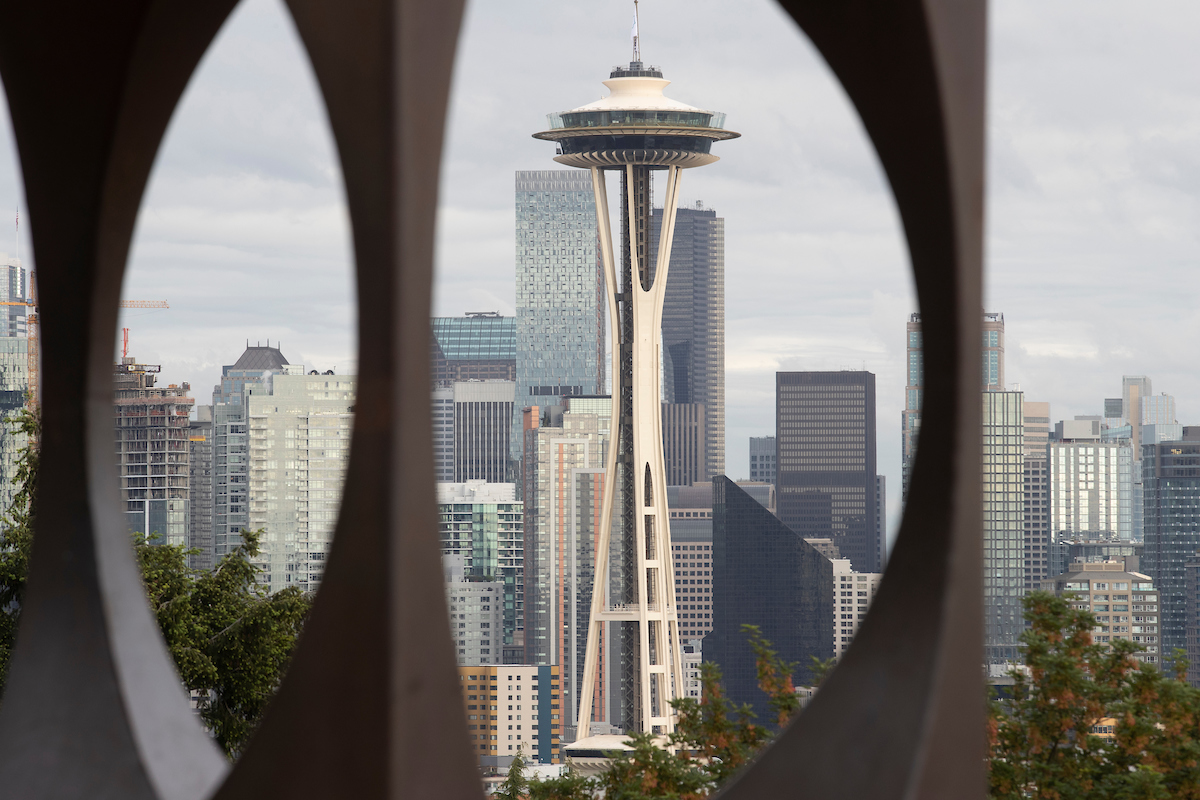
[[1003, 523], [910, 418], [14, 370], [560, 338], [1037, 503], [825, 466], [684, 443], [1172, 488], [200, 495], [764, 574], [693, 324], [299, 448], [482, 426], [231, 454], [566, 449], [152, 451]]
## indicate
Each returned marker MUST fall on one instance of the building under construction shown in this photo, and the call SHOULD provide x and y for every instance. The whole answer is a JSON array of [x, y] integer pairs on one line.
[[152, 451]]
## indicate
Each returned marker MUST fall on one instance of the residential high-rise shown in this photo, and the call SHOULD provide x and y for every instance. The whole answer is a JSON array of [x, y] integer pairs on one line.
[[152, 451], [693, 322], [764, 574], [560, 339], [566, 449], [637, 131], [484, 525], [910, 419], [200, 485], [480, 346], [762, 459], [231, 454], [684, 445], [299, 448], [512, 709], [1037, 503], [1003, 523], [1172, 493], [482, 426], [851, 597], [476, 611], [825, 462], [1124, 603]]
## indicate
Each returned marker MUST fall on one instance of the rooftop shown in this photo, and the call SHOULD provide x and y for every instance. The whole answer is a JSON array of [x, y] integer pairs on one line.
[[263, 358]]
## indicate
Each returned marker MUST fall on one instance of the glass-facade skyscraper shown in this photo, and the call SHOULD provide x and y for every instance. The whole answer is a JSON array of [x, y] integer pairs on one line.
[[992, 380], [1172, 496], [479, 346], [560, 291]]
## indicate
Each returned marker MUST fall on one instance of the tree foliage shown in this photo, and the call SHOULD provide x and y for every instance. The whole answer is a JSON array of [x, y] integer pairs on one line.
[[1042, 738], [229, 639]]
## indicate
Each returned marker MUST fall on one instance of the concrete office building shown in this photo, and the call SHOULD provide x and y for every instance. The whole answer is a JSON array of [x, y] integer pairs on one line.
[[484, 525], [510, 710], [762, 459], [480, 346], [482, 426], [566, 448], [299, 448], [152, 451], [1171, 471], [1003, 523], [476, 612], [684, 445], [1037, 503], [560, 340], [914, 392], [692, 656], [825, 478], [693, 322], [1125, 604], [851, 595], [692, 558], [764, 574], [231, 444], [200, 486]]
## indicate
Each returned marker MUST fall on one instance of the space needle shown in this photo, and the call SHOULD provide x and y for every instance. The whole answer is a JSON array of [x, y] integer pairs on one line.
[[635, 131]]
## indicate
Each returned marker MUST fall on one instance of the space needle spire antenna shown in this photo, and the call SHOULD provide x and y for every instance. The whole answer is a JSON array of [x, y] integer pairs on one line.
[[637, 48], [634, 131]]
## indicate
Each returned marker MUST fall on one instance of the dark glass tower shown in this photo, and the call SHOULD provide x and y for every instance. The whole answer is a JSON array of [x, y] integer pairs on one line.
[[825, 463], [693, 325], [1171, 475], [764, 574]]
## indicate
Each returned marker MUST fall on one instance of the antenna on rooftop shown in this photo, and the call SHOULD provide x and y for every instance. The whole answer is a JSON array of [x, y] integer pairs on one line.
[[637, 49]]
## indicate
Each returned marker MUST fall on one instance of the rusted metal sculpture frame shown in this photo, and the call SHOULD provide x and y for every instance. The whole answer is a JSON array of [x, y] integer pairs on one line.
[[371, 706]]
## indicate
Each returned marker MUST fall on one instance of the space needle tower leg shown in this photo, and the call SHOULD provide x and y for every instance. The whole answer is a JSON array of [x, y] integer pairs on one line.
[[646, 608]]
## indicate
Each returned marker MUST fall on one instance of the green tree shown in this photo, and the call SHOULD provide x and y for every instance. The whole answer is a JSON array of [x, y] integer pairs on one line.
[[1041, 737], [515, 785], [229, 639]]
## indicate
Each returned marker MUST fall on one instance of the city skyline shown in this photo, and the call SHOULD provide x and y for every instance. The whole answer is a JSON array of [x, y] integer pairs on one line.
[[1091, 176]]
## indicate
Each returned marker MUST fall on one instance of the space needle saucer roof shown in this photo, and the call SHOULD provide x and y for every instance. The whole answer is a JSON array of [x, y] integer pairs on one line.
[[636, 124]]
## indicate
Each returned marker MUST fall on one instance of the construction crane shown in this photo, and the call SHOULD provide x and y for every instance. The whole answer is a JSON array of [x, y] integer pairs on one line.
[[31, 328]]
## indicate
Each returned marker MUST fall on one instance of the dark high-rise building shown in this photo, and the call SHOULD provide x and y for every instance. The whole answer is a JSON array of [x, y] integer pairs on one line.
[[764, 574], [480, 346], [1171, 477], [482, 426], [1037, 503], [1003, 459], [684, 443], [825, 463], [693, 326]]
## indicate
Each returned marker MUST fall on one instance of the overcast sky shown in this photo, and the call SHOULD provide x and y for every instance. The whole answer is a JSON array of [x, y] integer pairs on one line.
[[1093, 204]]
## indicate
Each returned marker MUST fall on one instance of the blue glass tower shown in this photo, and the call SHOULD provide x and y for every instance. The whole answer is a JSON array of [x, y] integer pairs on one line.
[[560, 291]]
